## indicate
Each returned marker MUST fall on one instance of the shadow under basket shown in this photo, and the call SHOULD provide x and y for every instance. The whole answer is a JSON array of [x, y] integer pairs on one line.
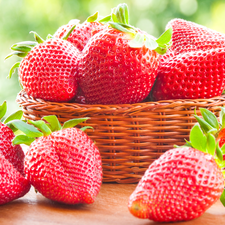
[[129, 136]]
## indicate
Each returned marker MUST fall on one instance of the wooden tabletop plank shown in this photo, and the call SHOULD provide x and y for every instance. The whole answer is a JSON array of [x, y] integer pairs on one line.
[[110, 208]]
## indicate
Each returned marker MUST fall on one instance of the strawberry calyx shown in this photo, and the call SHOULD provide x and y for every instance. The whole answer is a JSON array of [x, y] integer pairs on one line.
[[7, 120], [203, 137], [120, 21], [44, 127]]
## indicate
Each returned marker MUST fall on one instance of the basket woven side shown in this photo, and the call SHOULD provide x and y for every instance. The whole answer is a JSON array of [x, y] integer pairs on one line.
[[130, 136]]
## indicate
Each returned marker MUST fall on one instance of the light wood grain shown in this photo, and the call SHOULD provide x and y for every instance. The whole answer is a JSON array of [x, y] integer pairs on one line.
[[110, 208]]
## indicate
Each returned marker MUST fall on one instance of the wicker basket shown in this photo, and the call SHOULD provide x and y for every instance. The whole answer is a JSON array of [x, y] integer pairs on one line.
[[129, 136]]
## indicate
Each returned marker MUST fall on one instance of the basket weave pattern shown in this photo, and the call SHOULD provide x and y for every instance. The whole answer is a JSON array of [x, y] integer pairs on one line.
[[129, 136]]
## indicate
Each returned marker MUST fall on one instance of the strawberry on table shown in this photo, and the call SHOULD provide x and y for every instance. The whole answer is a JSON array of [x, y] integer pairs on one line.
[[62, 163], [185, 181], [13, 183], [48, 69], [119, 64]]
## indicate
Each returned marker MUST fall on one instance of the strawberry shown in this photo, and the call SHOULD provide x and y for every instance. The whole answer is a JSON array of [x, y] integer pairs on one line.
[[119, 64], [12, 181], [62, 163], [193, 67], [183, 182], [82, 33], [48, 69], [192, 75], [188, 36]]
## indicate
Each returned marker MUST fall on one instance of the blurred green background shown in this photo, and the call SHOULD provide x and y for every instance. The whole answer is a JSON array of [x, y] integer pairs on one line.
[[19, 17]]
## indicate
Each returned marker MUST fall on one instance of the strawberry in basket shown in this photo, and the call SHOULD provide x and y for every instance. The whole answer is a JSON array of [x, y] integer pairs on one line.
[[13, 183], [62, 163], [48, 69], [119, 64], [185, 181], [82, 32], [194, 66]]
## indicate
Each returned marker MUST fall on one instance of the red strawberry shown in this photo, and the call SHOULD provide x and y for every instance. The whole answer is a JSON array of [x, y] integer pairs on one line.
[[183, 183], [64, 165], [119, 64], [188, 36], [221, 137], [48, 70], [198, 74], [193, 68], [81, 34], [13, 184], [13, 153]]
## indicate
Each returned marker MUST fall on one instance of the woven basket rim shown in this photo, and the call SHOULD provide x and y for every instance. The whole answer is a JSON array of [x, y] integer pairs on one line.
[[150, 104]]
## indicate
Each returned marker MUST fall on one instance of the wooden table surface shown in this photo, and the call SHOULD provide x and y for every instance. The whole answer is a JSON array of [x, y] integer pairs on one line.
[[110, 207]]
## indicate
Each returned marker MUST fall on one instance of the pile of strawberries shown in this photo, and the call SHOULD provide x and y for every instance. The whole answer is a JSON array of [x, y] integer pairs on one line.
[[108, 61], [62, 162], [101, 61]]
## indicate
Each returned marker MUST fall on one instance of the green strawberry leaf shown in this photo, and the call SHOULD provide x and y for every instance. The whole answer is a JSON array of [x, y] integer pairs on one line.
[[24, 43], [165, 38], [53, 122], [223, 149], [27, 129], [188, 143], [119, 27], [22, 139], [3, 109], [93, 17], [17, 53], [219, 153], [197, 138], [137, 42], [222, 198], [105, 19], [14, 116], [211, 144], [42, 126], [49, 36], [222, 117], [22, 48], [13, 69], [164, 41], [210, 118], [86, 127], [73, 122], [122, 13], [67, 34], [207, 128], [37, 37], [114, 18]]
